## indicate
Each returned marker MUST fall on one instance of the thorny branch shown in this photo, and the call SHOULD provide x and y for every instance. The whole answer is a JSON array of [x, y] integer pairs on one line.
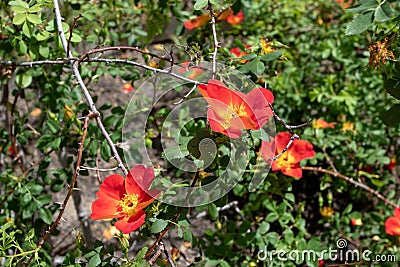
[[71, 29], [74, 65], [216, 44], [71, 186]]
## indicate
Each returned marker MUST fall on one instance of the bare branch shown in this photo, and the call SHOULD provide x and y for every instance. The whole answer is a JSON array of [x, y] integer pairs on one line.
[[119, 48], [71, 29], [351, 180], [284, 124], [89, 99], [71, 186], [216, 44]]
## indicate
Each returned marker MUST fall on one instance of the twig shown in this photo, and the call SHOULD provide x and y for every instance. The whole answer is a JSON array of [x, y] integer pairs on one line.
[[329, 160], [292, 138], [98, 169], [172, 221], [167, 254], [351, 180], [134, 63], [157, 254], [71, 186], [186, 95], [74, 65], [70, 60], [71, 28], [284, 124], [216, 44], [119, 48], [219, 209]]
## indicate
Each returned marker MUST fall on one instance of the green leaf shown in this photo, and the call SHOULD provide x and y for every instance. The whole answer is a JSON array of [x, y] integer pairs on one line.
[[383, 12], [213, 211], [55, 144], [53, 126], [43, 200], [360, 23], [44, 51], [23, 80], [187, 236], [158, 225], [44, 141], [19, 19], [141, 253], [22, 48], [391, 117], [263, 228], [45, 215], [271, 217], [200, 4], [42, 35], [35, 19], [19, 9], [364, 6], [19, 3], [27, 29], [392, 86], [175, 152], [271, 56], [35, 189], [105, 151], [34, 9], [94, 261], [26, 199], [255, 66]]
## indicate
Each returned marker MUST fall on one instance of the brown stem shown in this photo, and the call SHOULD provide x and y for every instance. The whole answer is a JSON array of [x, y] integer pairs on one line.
[[351, 180], [119, 48], [71, 186], [172, 221], [71, 29]]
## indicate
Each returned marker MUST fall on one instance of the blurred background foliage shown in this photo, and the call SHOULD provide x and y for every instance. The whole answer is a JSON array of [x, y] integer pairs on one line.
[[326, 63]]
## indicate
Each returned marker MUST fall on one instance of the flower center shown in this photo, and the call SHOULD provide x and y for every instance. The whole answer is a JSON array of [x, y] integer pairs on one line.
[[285, 160], [232, 111], [128, 204]]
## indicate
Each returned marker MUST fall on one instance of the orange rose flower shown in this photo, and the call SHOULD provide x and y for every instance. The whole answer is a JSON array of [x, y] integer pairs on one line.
[[321, 124], [232, 111], [288, 162], [239, 53], [235, 19], [190, 72], [125, 199], [357, 221], [197, 22], [392, 224]]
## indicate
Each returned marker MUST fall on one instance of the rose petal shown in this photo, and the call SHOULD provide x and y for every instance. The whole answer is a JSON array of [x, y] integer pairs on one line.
[[105, 208], [130, 224]]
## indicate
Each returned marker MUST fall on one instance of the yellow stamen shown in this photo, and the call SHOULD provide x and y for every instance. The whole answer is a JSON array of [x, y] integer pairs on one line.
[[233, 111], [128, 204]]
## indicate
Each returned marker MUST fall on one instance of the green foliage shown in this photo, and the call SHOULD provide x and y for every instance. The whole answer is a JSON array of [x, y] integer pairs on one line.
[[317, 68]]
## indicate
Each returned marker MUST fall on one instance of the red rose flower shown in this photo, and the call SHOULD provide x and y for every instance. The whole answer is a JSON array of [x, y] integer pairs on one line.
[[197, 22], [392, 224], [125, 199], [232, 111], [288, 162], [235, 19]]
